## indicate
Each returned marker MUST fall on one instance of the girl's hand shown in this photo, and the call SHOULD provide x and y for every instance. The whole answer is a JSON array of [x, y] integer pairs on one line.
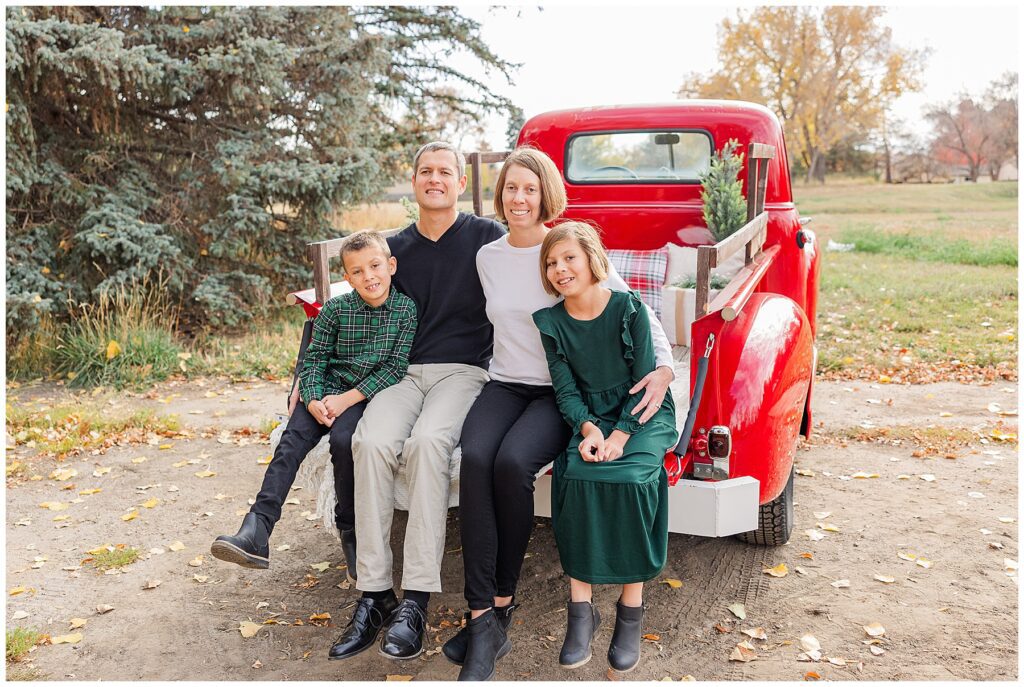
[[592, 446], [614, 445]]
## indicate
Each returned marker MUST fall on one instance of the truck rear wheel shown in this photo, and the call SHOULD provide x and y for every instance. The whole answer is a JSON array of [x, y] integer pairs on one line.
[[775, 520]]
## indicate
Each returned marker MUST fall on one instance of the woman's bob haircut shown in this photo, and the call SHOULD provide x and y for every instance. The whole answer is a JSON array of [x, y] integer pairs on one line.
[[552, 190]]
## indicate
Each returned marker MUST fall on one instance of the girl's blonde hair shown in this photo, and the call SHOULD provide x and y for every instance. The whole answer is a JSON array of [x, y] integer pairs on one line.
[[589, 241], [552, 190]]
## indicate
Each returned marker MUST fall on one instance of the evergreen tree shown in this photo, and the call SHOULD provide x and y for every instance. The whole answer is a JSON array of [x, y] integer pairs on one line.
[[209, 143], [725, 209]]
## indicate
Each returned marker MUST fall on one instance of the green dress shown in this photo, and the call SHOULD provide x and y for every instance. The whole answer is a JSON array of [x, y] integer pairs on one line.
[[610, 518]]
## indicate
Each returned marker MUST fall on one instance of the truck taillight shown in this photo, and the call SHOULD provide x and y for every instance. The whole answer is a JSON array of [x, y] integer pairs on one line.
[[719, 448]]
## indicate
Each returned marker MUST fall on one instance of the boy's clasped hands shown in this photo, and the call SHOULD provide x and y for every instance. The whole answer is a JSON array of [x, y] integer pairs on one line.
[[329, 407], [596, 448]]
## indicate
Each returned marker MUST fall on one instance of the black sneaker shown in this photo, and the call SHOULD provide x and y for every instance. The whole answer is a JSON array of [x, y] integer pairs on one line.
[[250, 548], [404, 637], [368, 618]]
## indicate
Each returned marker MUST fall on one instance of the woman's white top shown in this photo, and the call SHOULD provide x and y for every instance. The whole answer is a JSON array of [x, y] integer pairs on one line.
[[511, 280]]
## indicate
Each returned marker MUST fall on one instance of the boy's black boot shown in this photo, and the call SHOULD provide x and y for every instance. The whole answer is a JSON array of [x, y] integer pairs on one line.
[[488, 642], [455, 648], [348, 547], [583, 622], [624, 650], [249, 548]]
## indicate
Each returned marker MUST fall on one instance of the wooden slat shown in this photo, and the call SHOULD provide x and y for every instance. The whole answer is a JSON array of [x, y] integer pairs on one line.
[[705, 255], [492, 157], [473, 160], [751, 277], [319, 254], [761, 151], [733, 244]]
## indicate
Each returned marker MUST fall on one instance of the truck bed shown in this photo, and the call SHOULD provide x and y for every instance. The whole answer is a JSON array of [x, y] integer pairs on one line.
[[681, 386]]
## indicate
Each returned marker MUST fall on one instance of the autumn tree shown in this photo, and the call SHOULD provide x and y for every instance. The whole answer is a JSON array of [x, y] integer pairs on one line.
[[980, 133], [210, 144], [829, 73]]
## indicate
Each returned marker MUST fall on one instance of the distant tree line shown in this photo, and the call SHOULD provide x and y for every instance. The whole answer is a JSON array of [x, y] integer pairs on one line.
[[832, 74], [209, 144]]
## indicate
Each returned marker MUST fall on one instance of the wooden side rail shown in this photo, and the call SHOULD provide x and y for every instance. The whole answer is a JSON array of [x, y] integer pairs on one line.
[[733, 297], [750, 237], [476, 162]]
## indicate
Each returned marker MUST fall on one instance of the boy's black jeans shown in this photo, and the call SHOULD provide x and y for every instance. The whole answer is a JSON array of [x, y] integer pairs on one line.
[[300, 436]]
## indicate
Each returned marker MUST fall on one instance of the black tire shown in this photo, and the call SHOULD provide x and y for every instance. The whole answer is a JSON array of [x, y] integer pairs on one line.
[[775, 520]]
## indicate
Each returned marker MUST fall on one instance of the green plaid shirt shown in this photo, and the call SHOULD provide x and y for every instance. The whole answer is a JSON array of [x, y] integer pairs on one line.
[[355, 346]]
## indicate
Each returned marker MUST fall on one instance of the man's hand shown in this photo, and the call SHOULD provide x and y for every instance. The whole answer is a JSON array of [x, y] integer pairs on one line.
[[592, 446], [320, 413], [336, 404], [293, 400], [614, 445], [655, 385]]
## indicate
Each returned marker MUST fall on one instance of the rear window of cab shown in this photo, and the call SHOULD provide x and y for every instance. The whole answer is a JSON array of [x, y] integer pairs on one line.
[[663, 156]]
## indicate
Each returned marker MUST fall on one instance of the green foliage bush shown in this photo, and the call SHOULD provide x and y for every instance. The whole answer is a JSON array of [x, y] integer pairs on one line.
[[725, 209], [209, 143], [126, 339]]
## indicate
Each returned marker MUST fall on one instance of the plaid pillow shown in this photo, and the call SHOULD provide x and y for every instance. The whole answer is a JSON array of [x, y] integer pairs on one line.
[[644, 271]]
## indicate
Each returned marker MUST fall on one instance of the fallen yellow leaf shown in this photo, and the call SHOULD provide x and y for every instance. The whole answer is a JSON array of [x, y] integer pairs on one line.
[[164, 447], [99, 472], [151, 503], [113, 349], [248, 629], [874, 630], [176, 546], [63, 474], [744, 652], [140, 459], [885, 579], [672, 582], [196, 562], [755, 633], [907, 556], [265, 460], [206, 473], [652, 637], [100, 549], [77, 623], [779, 570], [74, 638], [89, 492], [17, 590], [130, 516], [53, 505]]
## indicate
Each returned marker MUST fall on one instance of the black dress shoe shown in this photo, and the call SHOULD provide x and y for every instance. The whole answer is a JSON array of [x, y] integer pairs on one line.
[[404, 637], [583, 622], [250, 548], [487, 643], [624, 650], [348, 547], [455, 648], [368, 618]]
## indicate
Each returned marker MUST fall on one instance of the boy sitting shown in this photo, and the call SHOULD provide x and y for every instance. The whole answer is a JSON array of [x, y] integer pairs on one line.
[[360, 345]]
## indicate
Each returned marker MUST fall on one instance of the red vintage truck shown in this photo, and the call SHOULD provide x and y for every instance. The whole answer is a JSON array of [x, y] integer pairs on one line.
[[746, 377]]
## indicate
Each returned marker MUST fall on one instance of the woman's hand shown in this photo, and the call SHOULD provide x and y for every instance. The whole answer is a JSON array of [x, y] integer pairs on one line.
[[614, 445], [655, 385], [320, 413], [592, 446]]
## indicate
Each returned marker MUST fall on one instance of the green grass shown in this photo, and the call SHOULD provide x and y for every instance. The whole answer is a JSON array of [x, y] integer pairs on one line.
[[71, 428], [20, 640], [931, 247], [932, 264], [267, 352], [117, 558], [874, 309]]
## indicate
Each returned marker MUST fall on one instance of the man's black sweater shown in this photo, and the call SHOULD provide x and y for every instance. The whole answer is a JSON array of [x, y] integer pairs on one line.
[[442, 280]]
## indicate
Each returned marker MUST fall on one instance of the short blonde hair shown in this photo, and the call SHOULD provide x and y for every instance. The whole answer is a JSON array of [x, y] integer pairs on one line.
[[361, 241], [552, 190], [589, 241]]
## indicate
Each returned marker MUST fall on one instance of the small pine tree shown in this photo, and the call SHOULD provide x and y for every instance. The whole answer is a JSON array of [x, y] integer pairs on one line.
[[725, 209]]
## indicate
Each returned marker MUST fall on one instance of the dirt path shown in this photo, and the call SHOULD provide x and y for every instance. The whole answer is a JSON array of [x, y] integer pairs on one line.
[[956, 619]]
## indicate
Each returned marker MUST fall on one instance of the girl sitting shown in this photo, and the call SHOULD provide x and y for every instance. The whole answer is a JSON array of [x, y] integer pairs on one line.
[[609, 494]]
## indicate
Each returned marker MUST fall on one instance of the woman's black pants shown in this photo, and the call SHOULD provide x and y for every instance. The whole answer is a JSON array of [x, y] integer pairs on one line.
[[511, 432]]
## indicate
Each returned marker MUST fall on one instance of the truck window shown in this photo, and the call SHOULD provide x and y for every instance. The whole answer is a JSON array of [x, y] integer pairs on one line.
[[638, 157]]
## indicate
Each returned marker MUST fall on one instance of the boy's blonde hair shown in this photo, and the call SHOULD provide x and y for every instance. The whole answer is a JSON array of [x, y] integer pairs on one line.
[[589, 241], [361, 241], [552, 190]]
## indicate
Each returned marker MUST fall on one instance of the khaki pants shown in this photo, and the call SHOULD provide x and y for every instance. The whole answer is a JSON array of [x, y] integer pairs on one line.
[[420, 418]]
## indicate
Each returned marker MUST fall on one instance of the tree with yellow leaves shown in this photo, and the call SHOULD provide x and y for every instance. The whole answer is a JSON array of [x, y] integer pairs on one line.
[[830, 73]]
